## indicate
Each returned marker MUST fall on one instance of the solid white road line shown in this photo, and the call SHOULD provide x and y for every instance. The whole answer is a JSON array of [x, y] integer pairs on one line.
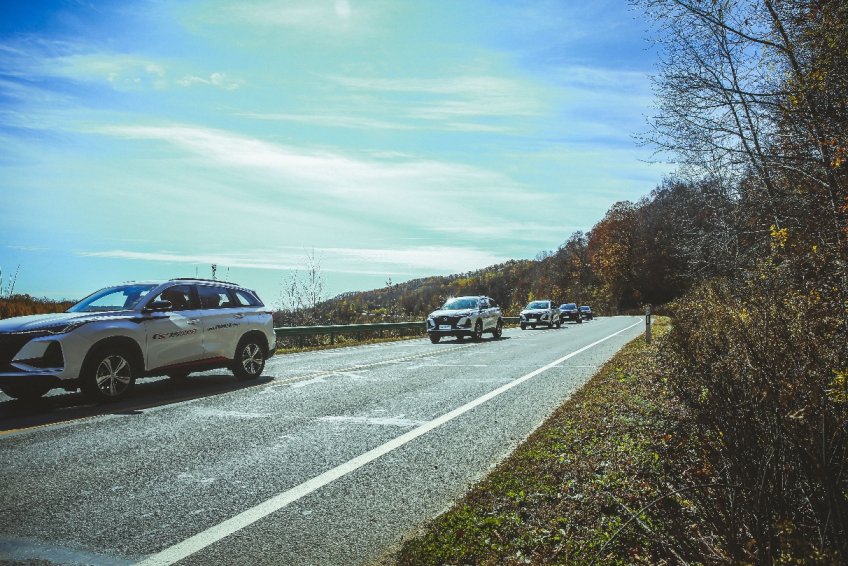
[[213, 534]]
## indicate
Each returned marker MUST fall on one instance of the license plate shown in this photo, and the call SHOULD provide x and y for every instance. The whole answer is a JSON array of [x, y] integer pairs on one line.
[[444, 327]]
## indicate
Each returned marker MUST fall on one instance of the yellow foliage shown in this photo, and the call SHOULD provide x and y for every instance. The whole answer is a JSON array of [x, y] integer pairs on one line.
[[838, 392], [779, 237]]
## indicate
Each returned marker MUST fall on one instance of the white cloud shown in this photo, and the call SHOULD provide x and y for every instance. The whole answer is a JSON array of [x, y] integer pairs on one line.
[[453, 97], [307, 16], [219, 80], [371, 261], [335, 121]]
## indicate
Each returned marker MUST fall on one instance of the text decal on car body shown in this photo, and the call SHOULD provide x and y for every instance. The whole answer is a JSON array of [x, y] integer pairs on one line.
[[166, 335], [225, 325]]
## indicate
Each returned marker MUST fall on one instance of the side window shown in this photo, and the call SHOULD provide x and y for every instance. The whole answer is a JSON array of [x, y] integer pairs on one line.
[[213, 297], [245, 299], [182, 297]]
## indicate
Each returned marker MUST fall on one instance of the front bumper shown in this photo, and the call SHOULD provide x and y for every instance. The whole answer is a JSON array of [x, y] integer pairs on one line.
[[450, 326]]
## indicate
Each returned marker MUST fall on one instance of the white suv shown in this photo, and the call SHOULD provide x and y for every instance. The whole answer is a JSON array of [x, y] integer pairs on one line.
[[541, 313], [107, 340], [465, 316]]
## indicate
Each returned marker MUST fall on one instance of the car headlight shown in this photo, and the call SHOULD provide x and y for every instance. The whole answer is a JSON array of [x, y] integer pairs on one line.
[[62, 328]]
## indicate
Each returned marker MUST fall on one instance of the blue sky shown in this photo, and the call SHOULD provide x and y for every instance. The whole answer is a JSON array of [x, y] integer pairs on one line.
[[389, 139]]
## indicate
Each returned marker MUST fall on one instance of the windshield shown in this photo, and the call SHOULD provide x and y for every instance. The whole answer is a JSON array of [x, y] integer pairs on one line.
[[568, 306], [121, 298], [460, 304], [584, 308], [537, 305]]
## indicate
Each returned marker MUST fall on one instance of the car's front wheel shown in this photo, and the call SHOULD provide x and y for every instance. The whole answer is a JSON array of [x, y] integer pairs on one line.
[[434, 338], [523, 326], [25, 391], [250, 359], [108, 374], [477, 335]]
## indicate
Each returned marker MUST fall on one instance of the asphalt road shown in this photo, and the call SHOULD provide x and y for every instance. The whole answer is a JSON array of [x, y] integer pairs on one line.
[[330, 459]]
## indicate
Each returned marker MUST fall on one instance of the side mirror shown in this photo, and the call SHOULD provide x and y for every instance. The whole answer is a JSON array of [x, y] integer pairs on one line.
[[159, 306]]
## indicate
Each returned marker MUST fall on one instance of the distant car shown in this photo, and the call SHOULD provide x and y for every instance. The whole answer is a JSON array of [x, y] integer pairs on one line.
[[586, 312], [539, 313], [465, 316], [569, 311], [103, 343]]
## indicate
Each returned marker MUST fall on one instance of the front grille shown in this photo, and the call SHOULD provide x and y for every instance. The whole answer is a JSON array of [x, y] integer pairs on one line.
[[11, 344], [452, 320]]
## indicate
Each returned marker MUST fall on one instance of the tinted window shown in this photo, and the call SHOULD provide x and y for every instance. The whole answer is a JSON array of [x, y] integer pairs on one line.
[[182, 297], [214, 297]]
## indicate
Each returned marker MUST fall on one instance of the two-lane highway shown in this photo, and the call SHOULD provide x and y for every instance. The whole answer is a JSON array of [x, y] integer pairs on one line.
[[332, 460]]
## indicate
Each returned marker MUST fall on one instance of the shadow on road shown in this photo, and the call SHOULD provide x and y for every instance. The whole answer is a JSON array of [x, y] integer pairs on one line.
[[59, 406]]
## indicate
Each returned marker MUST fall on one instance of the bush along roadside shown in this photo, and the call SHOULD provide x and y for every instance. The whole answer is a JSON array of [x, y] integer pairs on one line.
[[622, 473]]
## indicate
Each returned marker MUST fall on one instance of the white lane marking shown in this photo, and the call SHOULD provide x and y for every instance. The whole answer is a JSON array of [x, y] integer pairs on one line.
[[246, 518]]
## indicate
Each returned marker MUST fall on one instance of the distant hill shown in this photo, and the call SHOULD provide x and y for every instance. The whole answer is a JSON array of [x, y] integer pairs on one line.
[[562, 276]]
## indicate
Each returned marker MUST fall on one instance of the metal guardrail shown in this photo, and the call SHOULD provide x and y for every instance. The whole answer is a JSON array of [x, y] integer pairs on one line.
[[336, 329]]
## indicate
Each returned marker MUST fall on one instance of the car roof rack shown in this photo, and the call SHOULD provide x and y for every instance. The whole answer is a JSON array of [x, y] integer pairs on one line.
[[204, 280]]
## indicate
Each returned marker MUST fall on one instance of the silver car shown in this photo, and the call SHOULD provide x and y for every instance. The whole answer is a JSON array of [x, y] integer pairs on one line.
[[105, 342], [541, 313], [465, 316]]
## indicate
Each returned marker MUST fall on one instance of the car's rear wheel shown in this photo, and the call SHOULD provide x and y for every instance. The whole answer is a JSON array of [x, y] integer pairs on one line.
[[533, 326], [478, 331], [25, 391], [108, 374], [498, 331], [250, 359], [434, 338]]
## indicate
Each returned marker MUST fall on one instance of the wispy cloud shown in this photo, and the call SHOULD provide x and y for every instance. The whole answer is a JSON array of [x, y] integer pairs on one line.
[[452, 97], [396, 190], [304, 15], [330, 120], [372, 261], [220, 80]]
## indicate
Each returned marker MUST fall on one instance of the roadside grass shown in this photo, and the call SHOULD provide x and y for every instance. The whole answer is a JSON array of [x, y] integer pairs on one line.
[[587, 487]]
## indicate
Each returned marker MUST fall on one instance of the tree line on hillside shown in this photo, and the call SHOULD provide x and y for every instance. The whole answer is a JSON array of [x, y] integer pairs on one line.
[[22, 304], [648, 252]]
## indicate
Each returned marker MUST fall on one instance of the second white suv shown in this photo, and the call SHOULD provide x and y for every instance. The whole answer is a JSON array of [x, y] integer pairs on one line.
[[465, 316], [107, 340], [542, 313]]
